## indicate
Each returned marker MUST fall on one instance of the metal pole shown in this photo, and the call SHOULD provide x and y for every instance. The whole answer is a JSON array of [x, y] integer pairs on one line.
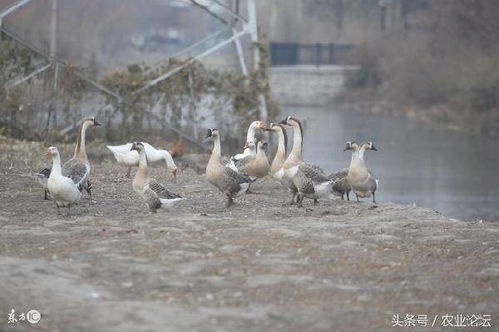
[[13, 8], [188, 62], [253, 30], [53, 30]]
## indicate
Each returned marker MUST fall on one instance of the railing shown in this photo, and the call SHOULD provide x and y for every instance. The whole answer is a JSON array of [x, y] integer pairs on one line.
[[282, 54]]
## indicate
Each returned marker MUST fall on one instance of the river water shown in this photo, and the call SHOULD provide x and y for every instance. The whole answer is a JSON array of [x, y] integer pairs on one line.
[[452, 172]]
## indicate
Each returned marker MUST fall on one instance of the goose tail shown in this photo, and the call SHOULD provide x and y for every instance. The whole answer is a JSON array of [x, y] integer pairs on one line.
[[170, 202]]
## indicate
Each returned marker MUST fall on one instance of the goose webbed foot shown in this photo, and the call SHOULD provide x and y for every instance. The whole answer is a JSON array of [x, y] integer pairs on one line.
[[46, 195]]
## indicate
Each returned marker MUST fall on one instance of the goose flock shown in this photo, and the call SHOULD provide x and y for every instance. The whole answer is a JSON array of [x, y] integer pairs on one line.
[[65, 182]]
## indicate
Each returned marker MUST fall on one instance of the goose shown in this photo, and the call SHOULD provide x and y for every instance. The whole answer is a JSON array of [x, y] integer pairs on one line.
[[153, 193], [224, 178], [282, 143], [126, 156], [250, 144], [64, 190], [43, 177], [339, 178], [360, 178], [78, 167], [304, 179], [256, 166]]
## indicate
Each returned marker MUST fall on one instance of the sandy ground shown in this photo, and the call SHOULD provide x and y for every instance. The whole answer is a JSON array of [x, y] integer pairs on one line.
[[258, 266]]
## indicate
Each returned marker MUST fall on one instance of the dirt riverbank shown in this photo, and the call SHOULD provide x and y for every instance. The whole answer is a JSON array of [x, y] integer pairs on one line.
[[259, 266]]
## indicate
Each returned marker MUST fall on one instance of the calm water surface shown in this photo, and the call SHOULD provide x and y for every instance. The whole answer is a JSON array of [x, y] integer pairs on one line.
[[452, 172]]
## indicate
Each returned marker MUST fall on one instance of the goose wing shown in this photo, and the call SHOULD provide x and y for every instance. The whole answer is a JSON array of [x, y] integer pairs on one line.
[[76, 170], [236, 176], [315, 173], [151, 198], [338, 175], [44, 172], [241, 164], [161, 191]]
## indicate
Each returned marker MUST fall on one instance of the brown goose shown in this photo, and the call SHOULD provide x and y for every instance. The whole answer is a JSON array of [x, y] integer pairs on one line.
[[282, 143], [153, 193], [228, 181], [256, 166]]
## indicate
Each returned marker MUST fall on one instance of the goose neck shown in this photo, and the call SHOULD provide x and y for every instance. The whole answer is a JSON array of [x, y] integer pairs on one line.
[[56, 164], [80, 150], [216, 152], [297, 142], [170, 164]]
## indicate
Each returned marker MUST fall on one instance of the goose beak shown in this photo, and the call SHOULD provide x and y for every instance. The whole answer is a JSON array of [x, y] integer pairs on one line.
[[97, 124], [46, 152], [245, 146], [374, 148]]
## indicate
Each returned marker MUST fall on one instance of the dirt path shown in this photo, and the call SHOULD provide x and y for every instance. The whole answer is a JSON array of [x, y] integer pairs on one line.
[[258, 266]]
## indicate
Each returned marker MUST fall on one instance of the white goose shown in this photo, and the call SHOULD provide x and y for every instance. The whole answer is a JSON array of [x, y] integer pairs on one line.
[[126, 156], [250, 144], [153, 193], [78, 167], [63, 190]]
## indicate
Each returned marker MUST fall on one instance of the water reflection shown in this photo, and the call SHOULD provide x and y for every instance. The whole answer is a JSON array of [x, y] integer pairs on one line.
[[449, 171]]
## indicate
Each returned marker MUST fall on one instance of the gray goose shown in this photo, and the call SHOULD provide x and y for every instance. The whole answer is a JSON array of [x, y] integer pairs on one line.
[[362, 181], [339, 178], [303, 179], [155, 195], [224, 178]]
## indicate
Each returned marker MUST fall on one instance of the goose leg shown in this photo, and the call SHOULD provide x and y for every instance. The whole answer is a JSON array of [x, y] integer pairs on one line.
[[58, 209], [357, 197], [230, 201], [299, 199], [316, 201], [128, 172], [348, 195], [293, 199], [88, 188], [374, 197], [46, 196]]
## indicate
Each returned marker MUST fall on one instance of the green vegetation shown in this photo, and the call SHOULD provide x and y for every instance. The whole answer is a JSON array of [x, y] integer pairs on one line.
[[35, 108]]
